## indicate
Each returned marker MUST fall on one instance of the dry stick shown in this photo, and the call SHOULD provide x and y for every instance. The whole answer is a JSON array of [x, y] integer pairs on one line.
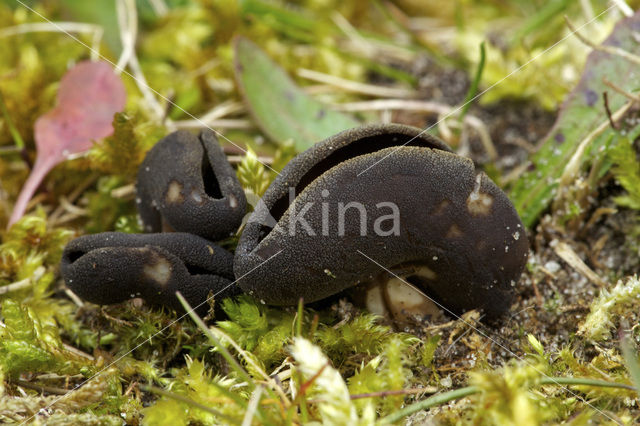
[[159, 7], [602, 48], [371, 49], [412, 391], [75, 299], [620, 90], [624, 7], [567, 254], [77, 352], [41, 388], [235, 159], [573, 166], [605, 97], [230, 123], [128, 23], [24, 283], [73, 197], [125, 191], [219, 111], [355, 86], [252, 407], [70, 27]]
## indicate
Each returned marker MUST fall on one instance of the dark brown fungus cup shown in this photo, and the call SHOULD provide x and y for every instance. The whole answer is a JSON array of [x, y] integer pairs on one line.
[[113, 267], [185, 183], [387, 194]]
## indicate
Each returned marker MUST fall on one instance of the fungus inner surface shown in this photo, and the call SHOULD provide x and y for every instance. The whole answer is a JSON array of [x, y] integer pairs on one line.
[[363, 146], [209, 178]]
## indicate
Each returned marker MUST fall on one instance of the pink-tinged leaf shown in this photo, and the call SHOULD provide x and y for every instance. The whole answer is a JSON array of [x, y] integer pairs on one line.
[[89, 95]]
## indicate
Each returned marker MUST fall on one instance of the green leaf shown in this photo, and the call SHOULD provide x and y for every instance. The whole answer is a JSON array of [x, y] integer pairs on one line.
[[100, 12], [581, 113], [280, 107], [631, 361]]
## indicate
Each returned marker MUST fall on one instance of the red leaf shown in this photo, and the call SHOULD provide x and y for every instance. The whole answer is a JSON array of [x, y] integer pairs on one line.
[[89, 95]]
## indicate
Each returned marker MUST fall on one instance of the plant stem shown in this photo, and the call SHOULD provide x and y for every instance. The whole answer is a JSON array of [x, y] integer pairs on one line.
[[471, 94], [470, 390], [580, 381], [235, 365], [430, 402]]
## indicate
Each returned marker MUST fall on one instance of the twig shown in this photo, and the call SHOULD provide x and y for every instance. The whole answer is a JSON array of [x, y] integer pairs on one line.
[[605, 97], [355, 86], [128, 23], [56, 27], [159, 7], [252, 407], [572, 167], [126, 191], [41, 388], [602, 48], [213, 116], [382, 394], [222, 110], [369, 48], [624, 7], [587, 9], [567, 254], [620, 90], [229, 123], [25, 283], [77, 352], [235, 159], [15, 286], [75, 299]]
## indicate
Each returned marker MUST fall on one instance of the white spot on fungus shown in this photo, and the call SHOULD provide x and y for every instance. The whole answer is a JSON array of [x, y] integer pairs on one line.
[[159, 272], [174, 193], [479, 203]]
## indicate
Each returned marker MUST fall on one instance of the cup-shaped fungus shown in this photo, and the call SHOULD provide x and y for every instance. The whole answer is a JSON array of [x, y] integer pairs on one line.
[[376, 199], [186, 184], [112, 267]]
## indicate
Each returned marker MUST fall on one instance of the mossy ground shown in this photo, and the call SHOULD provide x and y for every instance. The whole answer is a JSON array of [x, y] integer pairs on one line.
[[63, 361]]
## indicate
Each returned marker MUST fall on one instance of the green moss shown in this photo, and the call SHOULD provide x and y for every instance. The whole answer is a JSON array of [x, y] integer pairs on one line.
[[30, 344]]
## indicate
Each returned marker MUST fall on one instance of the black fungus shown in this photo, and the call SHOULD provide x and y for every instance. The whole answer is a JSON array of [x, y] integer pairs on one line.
[[112, 267], [186, 184], [457, 237]]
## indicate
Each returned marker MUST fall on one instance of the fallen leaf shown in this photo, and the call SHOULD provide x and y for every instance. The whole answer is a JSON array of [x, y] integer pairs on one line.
[[582, 111], [89, 96], [281, 109]]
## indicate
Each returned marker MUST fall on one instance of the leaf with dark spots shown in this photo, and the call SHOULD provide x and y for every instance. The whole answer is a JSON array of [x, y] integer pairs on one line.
[[89, 95], [581, 112], [280, 108]]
